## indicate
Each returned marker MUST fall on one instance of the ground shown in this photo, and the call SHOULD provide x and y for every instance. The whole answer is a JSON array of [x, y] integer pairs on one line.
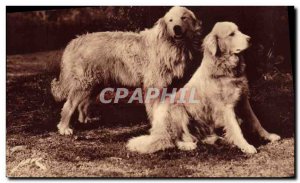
[[35, 149]]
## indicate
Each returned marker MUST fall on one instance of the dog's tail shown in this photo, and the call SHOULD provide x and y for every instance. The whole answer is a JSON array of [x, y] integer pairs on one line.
[[149, 143], [58, 90]]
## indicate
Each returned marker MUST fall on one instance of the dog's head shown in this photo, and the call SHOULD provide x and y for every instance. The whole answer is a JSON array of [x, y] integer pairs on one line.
[[179, 23], [225, 38]]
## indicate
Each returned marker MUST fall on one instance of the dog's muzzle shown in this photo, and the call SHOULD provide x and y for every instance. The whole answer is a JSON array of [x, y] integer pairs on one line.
[[178, 32]]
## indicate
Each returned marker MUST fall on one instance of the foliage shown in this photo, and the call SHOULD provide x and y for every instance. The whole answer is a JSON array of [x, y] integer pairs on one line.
[[53, 29]]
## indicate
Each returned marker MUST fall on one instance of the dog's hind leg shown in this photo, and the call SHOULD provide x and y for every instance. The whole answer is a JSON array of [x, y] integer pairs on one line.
[[149, 110], [234, 133], [254, 122], [160, 137], [75, 97], [188, 141], [83, 110]]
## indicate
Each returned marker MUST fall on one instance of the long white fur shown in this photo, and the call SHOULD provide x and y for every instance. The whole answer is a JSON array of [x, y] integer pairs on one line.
[[220, 83], [152, 58]]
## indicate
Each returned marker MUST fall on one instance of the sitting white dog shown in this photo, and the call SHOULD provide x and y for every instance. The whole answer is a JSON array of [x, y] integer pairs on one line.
[[220, 83]]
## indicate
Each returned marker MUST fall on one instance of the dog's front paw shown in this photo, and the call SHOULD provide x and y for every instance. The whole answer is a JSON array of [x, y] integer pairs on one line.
[[273, 137], [186, 146], [249, 149], [64, 130]]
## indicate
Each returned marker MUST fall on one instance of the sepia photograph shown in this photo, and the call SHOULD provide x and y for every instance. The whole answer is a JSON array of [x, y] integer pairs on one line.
[[150, 92]]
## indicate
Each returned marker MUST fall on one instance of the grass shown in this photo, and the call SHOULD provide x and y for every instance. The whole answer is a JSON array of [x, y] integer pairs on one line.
[[35, 149]]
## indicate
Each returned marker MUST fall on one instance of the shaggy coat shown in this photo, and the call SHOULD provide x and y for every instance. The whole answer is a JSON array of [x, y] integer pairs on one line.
[[151, 58], [220, 83]]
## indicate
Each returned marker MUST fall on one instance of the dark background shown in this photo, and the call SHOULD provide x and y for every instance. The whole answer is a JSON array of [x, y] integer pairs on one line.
[[52, 28], [35, 42]]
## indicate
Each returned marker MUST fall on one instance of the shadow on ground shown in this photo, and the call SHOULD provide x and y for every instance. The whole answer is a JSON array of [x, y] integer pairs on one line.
[[34, 148]]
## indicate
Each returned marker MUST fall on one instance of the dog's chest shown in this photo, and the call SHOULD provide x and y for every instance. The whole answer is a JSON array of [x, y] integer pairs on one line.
[[230, 89], [175, 64]]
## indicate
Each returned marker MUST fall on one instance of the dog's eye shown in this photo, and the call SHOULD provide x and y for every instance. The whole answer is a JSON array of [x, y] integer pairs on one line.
[[183, 18], [232, 34], [171, 20]]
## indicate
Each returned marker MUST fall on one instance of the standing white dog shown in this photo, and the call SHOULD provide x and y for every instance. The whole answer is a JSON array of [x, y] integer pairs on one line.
[[152, 58], [220, 83]]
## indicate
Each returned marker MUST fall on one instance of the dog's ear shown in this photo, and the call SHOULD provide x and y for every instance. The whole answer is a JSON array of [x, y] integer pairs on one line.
[[197, 23], [196, 37], [197, 34], [161, 28], [211, 45]]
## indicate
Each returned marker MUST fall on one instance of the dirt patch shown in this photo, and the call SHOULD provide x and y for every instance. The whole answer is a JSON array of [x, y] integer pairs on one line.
[[35, 149]]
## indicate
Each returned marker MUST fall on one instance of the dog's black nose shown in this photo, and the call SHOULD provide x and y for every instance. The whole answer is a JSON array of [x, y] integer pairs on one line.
[[177, 30]]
